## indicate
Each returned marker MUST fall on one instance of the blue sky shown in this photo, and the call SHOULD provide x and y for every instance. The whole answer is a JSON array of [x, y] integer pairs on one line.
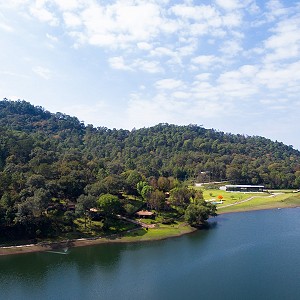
[[224, 64]]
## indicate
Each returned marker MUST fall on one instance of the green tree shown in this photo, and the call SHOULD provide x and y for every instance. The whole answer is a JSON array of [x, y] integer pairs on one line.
[[40, 201], [132, 179], [163, 184], [181, 196], [197, 214], [83, 206], [156, 200], [140, 185], [113, 184], [130, 209], [146, 192], [109, 204]]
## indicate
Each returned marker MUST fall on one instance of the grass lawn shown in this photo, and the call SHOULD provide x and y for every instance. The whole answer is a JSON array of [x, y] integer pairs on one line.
[[279, 199], [158, 233], [229, 197], [265, 202]]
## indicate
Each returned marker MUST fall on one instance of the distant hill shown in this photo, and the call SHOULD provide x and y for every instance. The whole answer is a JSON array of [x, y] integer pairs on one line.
[[68, 156]]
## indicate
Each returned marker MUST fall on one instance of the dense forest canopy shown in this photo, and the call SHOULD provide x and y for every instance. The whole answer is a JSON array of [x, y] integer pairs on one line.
[[36, 142], [52, 156]]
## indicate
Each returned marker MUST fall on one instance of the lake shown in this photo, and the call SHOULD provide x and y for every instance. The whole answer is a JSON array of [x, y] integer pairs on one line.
[[252, 255]]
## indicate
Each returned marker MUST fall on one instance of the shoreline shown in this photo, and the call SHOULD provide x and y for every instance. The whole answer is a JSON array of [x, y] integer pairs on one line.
[[115, 238], [83, 242], [241, 210]]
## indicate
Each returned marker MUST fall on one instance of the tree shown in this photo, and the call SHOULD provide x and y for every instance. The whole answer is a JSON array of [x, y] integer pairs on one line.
[[39, 201], [297, 179], [156, 200], [84, 204], [113, 184], [132, 179], [35, 182], [197, 214], [146, 192], [198, 196], [163, 184], [181, 196], [96, 189], [140, 185], [129, 208], [109, 204]]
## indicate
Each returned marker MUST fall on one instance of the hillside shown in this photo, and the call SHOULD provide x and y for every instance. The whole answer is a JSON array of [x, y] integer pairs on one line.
[[35, 141], [54, 169]]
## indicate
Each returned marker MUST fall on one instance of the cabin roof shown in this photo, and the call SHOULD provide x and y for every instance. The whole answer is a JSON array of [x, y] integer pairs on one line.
[[245, 186], [144, 213]]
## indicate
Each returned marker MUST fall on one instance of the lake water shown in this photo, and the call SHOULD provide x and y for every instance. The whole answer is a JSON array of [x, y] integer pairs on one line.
[[253, 255]]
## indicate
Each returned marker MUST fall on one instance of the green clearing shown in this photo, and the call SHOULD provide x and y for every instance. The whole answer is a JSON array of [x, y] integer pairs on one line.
[[269, 200], [160, 232], [229, 197]]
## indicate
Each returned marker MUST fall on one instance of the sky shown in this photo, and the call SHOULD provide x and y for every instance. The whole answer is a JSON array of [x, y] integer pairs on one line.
[[225, 64]]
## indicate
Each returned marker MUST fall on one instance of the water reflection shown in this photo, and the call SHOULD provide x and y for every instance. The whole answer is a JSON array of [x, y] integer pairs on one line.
[[242, 256], [37, 267]]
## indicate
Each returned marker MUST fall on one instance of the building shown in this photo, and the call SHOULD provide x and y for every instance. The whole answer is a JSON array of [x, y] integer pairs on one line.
[[145, 214], [244, 188]]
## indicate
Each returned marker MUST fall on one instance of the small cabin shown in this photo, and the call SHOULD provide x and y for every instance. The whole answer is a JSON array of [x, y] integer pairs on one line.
[[145, 214]]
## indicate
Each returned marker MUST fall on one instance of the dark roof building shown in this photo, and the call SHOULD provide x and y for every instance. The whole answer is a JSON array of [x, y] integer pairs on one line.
[[244, 188]]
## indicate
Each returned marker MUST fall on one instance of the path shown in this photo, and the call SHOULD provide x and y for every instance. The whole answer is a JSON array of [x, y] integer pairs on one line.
[[248, 199]]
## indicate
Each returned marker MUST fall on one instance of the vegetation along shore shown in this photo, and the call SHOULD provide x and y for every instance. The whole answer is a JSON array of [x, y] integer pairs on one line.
[[235, 202]]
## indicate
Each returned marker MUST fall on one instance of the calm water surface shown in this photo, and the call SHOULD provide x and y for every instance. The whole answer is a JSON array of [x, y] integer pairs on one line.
[[253, 255]]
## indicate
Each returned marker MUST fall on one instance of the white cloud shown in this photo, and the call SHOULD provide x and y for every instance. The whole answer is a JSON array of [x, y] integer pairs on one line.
[[121, 24], [275, 77], [40, 11], [228, 4], [147, 66], [181, 95], [168, 84], [118, 63], [51, 37], [236, 4], [12, 4], [232, 19], [144, 46], [42, 72], [276, 9], [203, 76], [67, 5], [231, 48], [249, 71], [285, 42], [71, 19], [200, 13], [189, 49], [205, 60], [162, 51]]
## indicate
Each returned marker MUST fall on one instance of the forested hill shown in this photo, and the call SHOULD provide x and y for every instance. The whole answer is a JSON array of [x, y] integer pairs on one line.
[[62, 155]]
